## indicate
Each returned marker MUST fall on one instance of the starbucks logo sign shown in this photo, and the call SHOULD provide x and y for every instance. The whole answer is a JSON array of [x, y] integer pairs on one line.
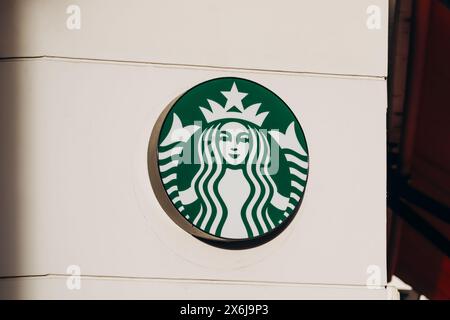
[[228, 161]]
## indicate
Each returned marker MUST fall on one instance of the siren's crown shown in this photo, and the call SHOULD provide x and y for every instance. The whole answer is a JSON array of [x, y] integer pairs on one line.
[[234, 109]]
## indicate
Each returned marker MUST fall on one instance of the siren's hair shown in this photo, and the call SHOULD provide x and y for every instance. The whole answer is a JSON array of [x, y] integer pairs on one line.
[[213, 211]]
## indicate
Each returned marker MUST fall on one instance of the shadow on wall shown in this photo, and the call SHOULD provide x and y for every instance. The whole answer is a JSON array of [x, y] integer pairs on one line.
[[10, 148]]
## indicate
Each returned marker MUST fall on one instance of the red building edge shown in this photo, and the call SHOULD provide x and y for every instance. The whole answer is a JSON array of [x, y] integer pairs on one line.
[[419, 147]]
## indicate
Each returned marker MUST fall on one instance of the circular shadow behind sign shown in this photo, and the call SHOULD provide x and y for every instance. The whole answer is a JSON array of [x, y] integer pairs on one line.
[[228, 162]]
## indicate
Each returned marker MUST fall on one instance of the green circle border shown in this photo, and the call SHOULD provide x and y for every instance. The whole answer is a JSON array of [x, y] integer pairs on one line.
[[222, 242]]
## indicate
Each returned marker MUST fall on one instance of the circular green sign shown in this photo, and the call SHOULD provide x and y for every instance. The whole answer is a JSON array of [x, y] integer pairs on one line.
[[232, 160]]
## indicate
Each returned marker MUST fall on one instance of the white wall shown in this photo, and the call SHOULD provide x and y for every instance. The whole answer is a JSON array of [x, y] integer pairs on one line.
[[79, 130]]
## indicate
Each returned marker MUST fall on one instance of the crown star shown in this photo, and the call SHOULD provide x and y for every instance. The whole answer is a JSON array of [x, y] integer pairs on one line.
[[234, 99]]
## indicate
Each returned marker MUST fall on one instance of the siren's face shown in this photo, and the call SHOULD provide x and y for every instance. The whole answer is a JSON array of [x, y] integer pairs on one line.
[[234, 141]]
